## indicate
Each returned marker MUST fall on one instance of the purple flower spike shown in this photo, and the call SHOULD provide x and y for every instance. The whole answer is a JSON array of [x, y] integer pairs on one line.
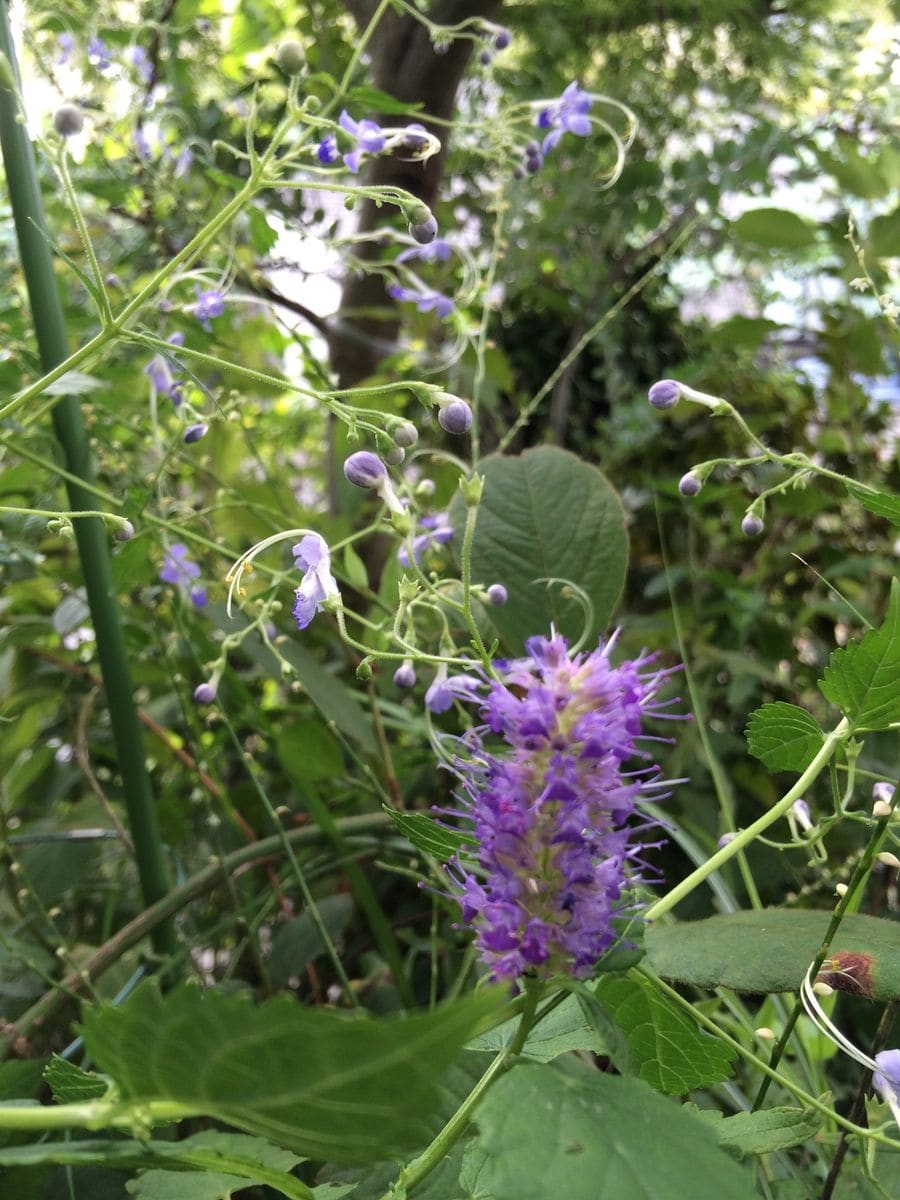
[[664, 394], [194, 433], [368, 137], [547, 785], [210, 303], [438, 531], [455, 417], [567, 115], [204, 693], [365, 469], [313, 558]]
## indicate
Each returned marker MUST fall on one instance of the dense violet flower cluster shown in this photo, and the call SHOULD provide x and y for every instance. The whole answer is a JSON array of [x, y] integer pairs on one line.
[[551, 809]]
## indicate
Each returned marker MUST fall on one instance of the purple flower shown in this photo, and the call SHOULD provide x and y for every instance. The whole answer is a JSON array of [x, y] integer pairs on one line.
[[438, 531], [66, 44], [497, 594], [183, 162], [365, 469], [98, 54], [424, 232], [179, 570], [313, 558], [752, 525], [424, 301], [204, 693], [405, 675], [327, 152], [664, 393], [194, 433], [443, 690], [141, 145], [438, 250], [368, 137], [161, 378], [142, 64], [210, 303], [455, 417], [547, 786], [886, 1080], [690, 484], [567, 115]]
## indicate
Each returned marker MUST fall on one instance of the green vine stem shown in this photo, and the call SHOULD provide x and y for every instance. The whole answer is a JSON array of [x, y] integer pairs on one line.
[[90, 534]]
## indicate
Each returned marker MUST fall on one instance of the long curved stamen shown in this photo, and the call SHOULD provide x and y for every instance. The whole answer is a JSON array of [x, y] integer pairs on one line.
[[236, 572]]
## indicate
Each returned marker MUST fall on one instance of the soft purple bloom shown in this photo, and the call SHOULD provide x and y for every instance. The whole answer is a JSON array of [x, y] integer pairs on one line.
[[194, 433], [66, 44], [405, 675], [567, 115], [210, 303], [424, 301], [142, 64], [664, 393], [179, 570], [438, 250], [204, 693], [437, 532], [455, 417], [141, 145], [161, 378], [313, 558], [497, 594], [548, 787], [365, 469], [183, 162], [886, 1080], [751, 526], [98, 54], [368, 137], [327, 152], [443, 690]]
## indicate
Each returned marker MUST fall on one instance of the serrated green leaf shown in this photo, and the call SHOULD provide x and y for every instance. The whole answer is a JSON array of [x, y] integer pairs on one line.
[[345, 1088], [784, 737], [771, 950], [70, 1085], [882, 504], [546, 514], [774, 229], [767, 1131], [668, 1050], [863, 678], [565, 1028], [429, 837], [174, 1185], [589, 1136], [376, 101]]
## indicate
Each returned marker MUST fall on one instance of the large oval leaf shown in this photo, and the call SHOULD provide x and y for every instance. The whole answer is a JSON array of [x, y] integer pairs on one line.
[[546, 514], [774, 229]]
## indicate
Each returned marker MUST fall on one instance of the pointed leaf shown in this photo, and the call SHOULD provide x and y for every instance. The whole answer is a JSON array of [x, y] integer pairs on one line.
[[774, 229], [426, 835], [882, 504], [863, 678], [71, 1085], [762, 1132], [784, 737]]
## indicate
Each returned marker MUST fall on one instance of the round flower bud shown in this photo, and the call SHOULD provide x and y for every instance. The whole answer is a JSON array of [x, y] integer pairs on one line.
[[497, 594], [405, 435], [664, 393], [204, 693], [689, 485], [124, 533], [291, 57], [425, 231], [194, 433], [364, 670], [533, 149], [395, 456], [68, 120], [426, 487], [883, 791], [365, 469], [485, 58], [405, 675], [533, 163], [519, 173], [455, 417], [502, 39], [751, 526]]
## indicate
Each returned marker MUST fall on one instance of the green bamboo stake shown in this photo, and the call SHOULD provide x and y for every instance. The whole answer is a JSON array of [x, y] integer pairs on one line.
[[90, 532]]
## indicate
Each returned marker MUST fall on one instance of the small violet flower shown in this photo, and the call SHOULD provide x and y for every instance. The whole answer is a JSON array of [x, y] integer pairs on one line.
[[313, 558], [327, 152], [179, 570], [210, 303], [437, 251], [140, 60], [369, 138], [437, 532], [98, 54], [66, 44], [443, 690], [567, 115], [424, 301]]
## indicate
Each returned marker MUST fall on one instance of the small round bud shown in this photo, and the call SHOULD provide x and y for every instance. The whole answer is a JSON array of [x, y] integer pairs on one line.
[[455, 417], [664, 394], [395, 456], [291, 57], [840, 889], [725, 840], [124, 533], [405, 675], [194, 433], [405, 435], [502, 39], [519, 173], [689, 485], [364, 670], [823, 989], [365, 469], [497, 594], [533, 149], [204, 693], [68, 120], [765, 1034], [533, 163], [485, 58], [425, 231], [888, 859], [752, 525], [426, 487], [882, 808]]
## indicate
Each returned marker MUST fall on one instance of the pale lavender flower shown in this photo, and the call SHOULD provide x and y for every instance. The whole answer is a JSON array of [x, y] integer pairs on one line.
[[98, 54], [313, 558], [162, 380], [886, 1080], [437, 531], [210, 303], [424, 301], [204, 693], [141, 145], [566, 115], [405, 675], [178, 569], [141, 62], [368, 137], [444, 689], [66, 44], [437, 251]]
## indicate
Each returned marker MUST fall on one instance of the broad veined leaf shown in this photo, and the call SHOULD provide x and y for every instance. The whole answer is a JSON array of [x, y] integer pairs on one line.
[[762, 1132], [771, 951], [427, 835], [784, 737], [583, 1135], [547, 515], [882, 504], [71, 1085], [565, 1028], [345, 1088], [863, 678]]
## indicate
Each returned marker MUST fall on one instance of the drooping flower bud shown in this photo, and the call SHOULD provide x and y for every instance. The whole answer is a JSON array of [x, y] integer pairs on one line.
[[752, 525], [664, 394], [690, 484], [502, 39], [395, 456], [68, 120], [204, 693], [125, 532], [194, 433], [405, 675], [424, 232], [455, 416], [497, 594], [405, 435], [365, 469]]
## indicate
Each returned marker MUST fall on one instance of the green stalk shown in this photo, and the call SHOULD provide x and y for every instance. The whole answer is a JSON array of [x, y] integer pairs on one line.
[[90, 533]]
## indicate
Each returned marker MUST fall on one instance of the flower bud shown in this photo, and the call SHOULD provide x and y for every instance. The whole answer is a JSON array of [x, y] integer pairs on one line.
[[405, 435], [765, 1034], [485, 58], [204, 693], [68, 120], [664, 393], [725, 840], [194, 433], [425, 231], [291, 57], [752, 525], [395, 456], [840, 889], [365, 469], [125, 532], [497, 594], [502, 39], [882, 808], [690, 484], [883, 792], [364, 670], [455, 417], [405, 675]]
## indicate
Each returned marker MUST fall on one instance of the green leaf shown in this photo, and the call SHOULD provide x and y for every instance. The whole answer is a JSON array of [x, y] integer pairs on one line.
[[784, 737], [547, 514], [298, 941], [668, 1050], [355, 568], [565, 1028], [774, 229], [883, 239], [770, 951], [882, 504], [429, 837], [325, 1084], [762, 1132], [71, 1085], [375, 101], [863, 678], [309, 752], [584, 1135]]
